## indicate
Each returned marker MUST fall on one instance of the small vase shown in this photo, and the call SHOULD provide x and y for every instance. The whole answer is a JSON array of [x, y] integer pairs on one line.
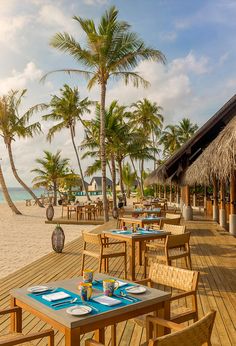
[[58, 239]]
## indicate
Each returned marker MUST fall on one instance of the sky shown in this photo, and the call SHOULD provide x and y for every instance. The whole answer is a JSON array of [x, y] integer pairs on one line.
[[197, 38]]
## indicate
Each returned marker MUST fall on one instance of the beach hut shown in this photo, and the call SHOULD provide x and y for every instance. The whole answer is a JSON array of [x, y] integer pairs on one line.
[[218, 163], [174, 168]]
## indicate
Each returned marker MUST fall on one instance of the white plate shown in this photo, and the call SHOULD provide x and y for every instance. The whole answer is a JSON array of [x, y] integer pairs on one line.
[[136, 289], [107, 300], [37, 289], [79, 310]]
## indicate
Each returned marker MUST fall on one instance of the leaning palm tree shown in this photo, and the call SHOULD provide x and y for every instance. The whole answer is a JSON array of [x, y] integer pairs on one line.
[[12, 125], [53, 169], [186, 130], [6, 194], [68, 109], [112, 50]]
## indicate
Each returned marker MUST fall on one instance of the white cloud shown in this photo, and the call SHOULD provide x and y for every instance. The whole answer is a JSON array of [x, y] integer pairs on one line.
[[10, 27], [95, 2], [191, 63], [52, 16], [19, 80], [168, 36]]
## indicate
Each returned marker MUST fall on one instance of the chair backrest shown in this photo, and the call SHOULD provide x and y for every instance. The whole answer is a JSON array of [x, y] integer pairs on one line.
[[174, 229], [179, 278], [175, 221], [173, 216], [177, 240], [197, 334], [91, 238]]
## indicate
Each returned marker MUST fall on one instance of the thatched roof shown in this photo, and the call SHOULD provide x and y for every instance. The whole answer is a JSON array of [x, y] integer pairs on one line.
[[175, 167], [218, 159]]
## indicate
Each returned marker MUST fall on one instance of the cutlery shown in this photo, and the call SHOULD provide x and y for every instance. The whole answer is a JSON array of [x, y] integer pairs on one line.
[[71, 301], [92, 307], [124, 294], [50, 290], [126, 298]]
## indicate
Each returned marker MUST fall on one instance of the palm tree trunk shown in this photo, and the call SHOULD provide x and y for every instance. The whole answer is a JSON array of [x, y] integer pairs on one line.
[[103, 150], [141, 176], [122, 189], [79, 164], [137, 177], [54, 193], [113, 175], [6, 194], [20, 181]]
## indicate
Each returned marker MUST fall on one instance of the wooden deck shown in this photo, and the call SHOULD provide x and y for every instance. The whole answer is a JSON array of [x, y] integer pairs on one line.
[[213, 254]]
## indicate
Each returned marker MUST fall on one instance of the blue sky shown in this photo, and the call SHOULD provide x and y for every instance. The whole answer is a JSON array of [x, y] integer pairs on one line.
[[197, 37]]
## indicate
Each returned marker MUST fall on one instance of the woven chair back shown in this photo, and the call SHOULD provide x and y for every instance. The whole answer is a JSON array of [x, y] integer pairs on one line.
[[91, 238], [179, 278], [172, 216], [197, 334], [177, 240], [174, 229], [169, 222]]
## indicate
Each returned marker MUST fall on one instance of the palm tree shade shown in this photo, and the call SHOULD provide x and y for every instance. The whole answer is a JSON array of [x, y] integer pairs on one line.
[[111, 51], [67, 110]]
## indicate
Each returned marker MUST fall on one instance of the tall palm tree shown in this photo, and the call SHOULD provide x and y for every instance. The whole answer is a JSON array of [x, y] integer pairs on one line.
[[12, 125], [53, 169], [148, 119], [170, 140], [186, 129], [128, 178], [68, 109], [6, 194], [111, 50]]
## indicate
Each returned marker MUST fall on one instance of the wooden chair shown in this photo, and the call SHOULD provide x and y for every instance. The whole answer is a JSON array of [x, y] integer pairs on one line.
[[173, 216], [89, 211], [174, 221], [183, 305], [174, 229], [17, 338], [176, 247], [197, 334], [98, 247]]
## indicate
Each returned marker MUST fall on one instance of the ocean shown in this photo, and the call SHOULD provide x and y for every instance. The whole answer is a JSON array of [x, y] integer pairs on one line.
[[19, 194]]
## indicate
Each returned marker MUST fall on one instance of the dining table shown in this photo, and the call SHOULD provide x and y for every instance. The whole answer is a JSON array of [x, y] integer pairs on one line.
[[131, 238], [75, 319], [139, 221]]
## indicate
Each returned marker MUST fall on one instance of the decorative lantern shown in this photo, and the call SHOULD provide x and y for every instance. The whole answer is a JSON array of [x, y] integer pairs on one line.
[[50, 212], [58, 239]]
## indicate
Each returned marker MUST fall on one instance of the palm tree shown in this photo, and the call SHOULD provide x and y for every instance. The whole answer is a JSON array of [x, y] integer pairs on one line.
[[12, 125], [6, 193], [148, 119], [186, 129], [170, 140], [111, 50], [68, 109], [128, 178], [53, 168]]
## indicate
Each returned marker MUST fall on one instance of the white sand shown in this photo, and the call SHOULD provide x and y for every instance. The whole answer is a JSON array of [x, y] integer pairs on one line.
[[25, 238]]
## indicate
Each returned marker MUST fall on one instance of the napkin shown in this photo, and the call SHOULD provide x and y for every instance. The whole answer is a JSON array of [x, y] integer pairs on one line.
[[55, 296], [106, 300], [122, 283]]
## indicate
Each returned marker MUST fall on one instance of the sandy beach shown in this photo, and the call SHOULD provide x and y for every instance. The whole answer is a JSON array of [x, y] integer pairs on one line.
[[25, 238]]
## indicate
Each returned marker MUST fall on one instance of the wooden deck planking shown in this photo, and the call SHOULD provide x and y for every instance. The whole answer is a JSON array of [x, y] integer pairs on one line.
[[217, 286]]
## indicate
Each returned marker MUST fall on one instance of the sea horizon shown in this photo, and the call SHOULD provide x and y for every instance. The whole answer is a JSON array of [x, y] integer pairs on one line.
[[19, 194]]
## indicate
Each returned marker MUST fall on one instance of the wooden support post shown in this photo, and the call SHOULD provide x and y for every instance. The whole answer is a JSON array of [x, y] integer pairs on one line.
[[187, 194], [215, 200], [222, 214], [232, 217], [170, 198], [187, 210], [164, 190]]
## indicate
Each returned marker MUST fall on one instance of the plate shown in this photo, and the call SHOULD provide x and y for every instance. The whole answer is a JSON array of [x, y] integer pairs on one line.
[[136, 289], [38, 289], [79, 310]]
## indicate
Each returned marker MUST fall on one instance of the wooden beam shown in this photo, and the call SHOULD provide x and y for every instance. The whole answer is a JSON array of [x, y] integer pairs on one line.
[[222, 194], [187, 194]]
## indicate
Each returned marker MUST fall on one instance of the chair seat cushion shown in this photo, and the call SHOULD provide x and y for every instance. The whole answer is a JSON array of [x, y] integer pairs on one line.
[[8, 337]]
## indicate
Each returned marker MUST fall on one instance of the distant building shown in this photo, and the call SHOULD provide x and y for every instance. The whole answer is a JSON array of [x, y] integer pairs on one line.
[[96, 184]]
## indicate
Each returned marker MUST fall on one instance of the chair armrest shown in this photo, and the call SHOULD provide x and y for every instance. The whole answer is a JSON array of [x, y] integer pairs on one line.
[[16, 309], [182, 295], [25, 338], [164, 323], [143, 281], [91, 342], [115, 242], [155, 245]]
